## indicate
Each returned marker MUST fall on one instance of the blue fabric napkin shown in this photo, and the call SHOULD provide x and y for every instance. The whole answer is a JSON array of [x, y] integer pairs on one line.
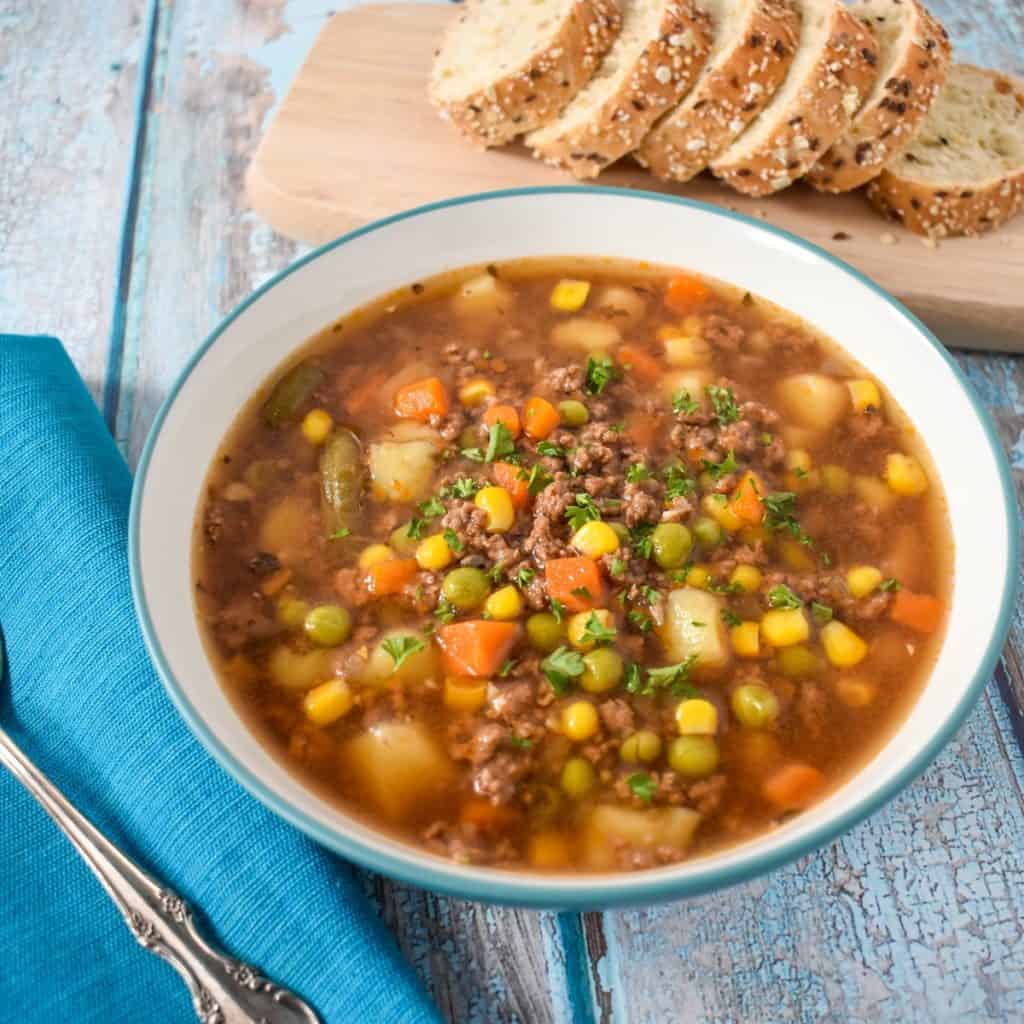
[[85, 704]]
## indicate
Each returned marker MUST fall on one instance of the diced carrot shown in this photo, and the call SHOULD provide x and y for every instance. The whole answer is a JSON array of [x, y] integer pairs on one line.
[[422, 399], [514, 480], [391, 577], [793, 786], [684, 292], [921, 612], [576, 582], [540, 417], [643, 429], [746, 500], [636, 361], [476, 648], [486, 816], [506, 415], [367, 394]]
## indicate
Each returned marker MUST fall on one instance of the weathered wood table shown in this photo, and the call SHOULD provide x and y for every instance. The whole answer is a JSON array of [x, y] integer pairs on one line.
[[125, 128]]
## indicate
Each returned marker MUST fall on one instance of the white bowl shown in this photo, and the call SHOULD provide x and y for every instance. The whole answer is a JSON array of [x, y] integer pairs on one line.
[[870, 325]]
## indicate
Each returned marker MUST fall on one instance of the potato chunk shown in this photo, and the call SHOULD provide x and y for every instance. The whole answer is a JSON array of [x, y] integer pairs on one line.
[[814, 400], [380, 668], [693, 627], [609, 827], [396, 764], [585, 335], [402, 471], [481, 297]]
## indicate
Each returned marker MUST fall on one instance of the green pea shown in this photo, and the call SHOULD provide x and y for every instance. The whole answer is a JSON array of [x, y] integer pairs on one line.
[[602, 670], [578, 777], [707, 531], [621, 531], [693, 756], [643, 746], [671, 544], [401, 542], [545, 632], [291, 611], [328, 625], [466, 588], [755, 705], [573, 413]]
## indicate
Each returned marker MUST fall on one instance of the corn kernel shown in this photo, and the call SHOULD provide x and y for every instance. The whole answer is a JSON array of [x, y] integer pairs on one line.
[[503, 604], [746, 639], [497, 503], [548, 850], [434, 554], [747, 578], [328, 702], [842, 646], [862, 579], [696, 717], [798, 660], [698, 576], [864, 394], [904, 475], [717, 506], [686, 351], [796, 556], [579, 720], [783, 627], [568, 295], [475, 392], [855, 692], [595, 539], [577, 627], [464, 694], [836, 480], [317, 425], [374, 555]]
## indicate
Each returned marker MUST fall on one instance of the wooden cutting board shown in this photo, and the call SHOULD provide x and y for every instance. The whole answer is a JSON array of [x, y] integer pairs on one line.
[[355, 139]]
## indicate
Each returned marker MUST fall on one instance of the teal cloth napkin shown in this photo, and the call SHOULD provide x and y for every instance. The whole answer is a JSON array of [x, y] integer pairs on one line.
[[86, 705]]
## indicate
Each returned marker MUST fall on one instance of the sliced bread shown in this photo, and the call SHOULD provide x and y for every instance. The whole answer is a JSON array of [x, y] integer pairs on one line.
[[507, 66], [655, 60], [913, 57], [754, 43], [964, 172], [834, 67]]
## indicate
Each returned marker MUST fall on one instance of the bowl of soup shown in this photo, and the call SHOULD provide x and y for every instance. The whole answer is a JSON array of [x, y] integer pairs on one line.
[[572, 547]]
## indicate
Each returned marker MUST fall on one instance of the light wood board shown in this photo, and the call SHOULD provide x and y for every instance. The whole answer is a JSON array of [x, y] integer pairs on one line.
[[355, 139]]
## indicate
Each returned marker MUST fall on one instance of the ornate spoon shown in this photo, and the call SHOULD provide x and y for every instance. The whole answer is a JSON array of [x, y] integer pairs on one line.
[[224, 991]]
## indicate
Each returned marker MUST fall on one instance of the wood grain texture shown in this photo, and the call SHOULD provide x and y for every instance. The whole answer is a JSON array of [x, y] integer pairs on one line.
[[356, 139], [69, 74]]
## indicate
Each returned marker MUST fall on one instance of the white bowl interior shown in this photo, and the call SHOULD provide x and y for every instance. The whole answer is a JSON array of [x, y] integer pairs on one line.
[[622, 225]]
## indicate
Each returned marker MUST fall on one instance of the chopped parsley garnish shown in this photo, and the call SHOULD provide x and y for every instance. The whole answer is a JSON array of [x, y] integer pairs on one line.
[[766, 439], [683, 403], [780, 596], [402, 647], [641, 785], [340, 534], [453, 541], [724, 588], [584, 511], [595, 632], [506, 666], [461, 487], [637, 472], [826, 558], [537, 480], [496, 573], [520, 742], [618, 567], [642, 622], [780, 512], [890, 584], [634, 680], [583, 592], [821, 613], [674, 678], [730, 618], [557, 609], [600, 372], [445, 610], [724, 403], [415, 528], [640, 539], [678, 483], [499, 442], [720, 469], [800, 473], [618, 428], [561, 667], [553, 451], [524, 577], [651, 596], [432, 508]]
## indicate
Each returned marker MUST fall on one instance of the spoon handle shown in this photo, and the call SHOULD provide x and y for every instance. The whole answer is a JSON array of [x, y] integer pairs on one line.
[[224, 991]]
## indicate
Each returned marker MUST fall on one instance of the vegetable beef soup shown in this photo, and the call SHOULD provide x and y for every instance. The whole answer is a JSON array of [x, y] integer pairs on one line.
[[580, 565]]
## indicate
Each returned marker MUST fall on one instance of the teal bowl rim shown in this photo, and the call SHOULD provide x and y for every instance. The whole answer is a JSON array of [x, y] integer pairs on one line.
[[522, 888]]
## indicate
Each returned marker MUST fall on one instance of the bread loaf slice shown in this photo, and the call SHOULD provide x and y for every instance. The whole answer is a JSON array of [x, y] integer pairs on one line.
[[832, 71], [507, 66], [753, 46], [655, 60], [913, 58], [964, 172]]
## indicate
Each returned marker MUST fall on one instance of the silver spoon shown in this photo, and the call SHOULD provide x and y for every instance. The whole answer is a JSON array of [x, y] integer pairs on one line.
[[224, 991]]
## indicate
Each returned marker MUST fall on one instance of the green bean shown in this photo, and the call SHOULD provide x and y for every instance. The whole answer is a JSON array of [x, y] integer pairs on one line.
[[602, 670], [466, 588], [341, 481], [671, 544], [545, 631], [573, 413], [291, 393]]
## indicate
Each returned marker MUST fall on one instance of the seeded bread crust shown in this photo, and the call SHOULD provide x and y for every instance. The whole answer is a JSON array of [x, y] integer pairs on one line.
[[664, 71], [726, 98], [820, 112], [537, 91], [891, 116], [968, 208]]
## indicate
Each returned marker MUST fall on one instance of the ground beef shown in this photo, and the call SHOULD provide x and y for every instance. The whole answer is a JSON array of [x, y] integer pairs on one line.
[[485, 742], [723, 334], [617, 716], [548, 535], [213, 522], [246, 617], [468, 523], [499, 777], [643, 502], [566, 380], [812, 707]]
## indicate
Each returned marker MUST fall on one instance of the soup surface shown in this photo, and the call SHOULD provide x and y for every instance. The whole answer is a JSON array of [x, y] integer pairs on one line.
[[573, 565]]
